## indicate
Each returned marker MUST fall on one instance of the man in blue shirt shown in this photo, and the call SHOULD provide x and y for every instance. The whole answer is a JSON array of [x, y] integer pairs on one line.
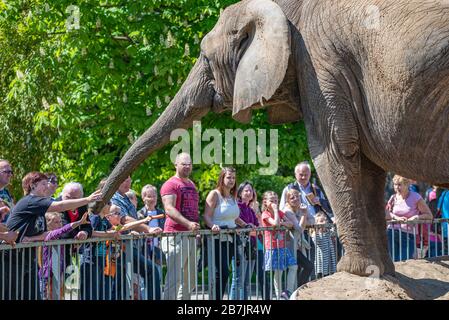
[[127, 210], [141, 264], [6, 174]]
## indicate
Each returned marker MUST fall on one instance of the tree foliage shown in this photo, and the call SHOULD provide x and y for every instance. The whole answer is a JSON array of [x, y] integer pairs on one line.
[[75, 93]]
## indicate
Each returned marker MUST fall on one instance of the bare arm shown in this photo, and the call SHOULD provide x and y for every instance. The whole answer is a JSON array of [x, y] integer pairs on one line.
[[391, 217], [271, 221], [211, 203], [303, 221], [83, 220], [64, 205], [3, 228], [291, 221], [126, 219], [133, 225], [239, 222], [425, 213], [9, 236], [277, 219], [104, 234], [286, 224], [169, 202]]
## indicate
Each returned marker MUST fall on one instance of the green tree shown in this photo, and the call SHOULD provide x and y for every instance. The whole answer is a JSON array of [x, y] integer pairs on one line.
[[80, 81]]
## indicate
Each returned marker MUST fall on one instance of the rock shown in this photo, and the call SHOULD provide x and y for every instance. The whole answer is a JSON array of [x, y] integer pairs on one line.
[[425, 279]]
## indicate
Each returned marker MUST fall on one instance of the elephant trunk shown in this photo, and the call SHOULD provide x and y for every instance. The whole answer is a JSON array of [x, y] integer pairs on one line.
[[192, 102]]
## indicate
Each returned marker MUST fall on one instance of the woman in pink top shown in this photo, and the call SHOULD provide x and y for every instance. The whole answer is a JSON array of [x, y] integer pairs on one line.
[[404, 205]]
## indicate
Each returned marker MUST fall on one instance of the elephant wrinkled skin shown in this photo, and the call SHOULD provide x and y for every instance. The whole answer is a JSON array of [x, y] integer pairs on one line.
[[373, 98]]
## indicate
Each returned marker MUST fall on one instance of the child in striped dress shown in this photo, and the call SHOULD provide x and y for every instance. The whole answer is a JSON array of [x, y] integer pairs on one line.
[[325, 258]]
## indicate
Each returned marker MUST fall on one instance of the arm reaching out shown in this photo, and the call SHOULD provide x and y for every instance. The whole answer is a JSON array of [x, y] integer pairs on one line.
[[132, 225], [40, 237], [83, 220], [64, 205]]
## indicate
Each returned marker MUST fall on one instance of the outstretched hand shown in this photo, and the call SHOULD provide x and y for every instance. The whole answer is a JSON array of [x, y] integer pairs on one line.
[[84, 219], [155, 231], [96, 196], [4, 209], [10, 237]]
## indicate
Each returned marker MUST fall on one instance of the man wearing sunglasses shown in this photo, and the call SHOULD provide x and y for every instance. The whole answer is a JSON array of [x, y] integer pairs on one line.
[[6, 201]]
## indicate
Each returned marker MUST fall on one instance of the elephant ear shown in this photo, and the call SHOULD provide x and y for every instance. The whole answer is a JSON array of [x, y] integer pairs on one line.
[[263, 66]]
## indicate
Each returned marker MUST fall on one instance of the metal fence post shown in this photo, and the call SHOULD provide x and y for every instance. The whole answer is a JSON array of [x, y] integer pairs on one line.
[[55, 272], [211, 266], [129, 269]]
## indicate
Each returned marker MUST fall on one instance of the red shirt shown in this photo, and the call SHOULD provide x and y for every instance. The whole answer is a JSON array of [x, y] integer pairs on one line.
[[73, 215], [187, 198], [273, 239]]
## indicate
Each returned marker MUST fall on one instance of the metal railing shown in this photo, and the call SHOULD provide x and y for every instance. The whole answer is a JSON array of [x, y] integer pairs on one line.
[[418, 239], [231, 264]]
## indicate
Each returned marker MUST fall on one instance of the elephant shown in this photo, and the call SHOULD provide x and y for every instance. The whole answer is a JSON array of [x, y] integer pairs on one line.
[[372, 94]]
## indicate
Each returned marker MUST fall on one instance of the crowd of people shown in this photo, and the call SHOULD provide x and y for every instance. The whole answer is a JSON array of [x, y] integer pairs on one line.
[[290, 251]]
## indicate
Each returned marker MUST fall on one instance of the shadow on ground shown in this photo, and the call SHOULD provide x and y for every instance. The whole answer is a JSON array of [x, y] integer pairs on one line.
[[426, 279]]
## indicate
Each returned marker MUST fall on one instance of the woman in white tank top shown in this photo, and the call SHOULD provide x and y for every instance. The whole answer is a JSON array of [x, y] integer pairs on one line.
[[222, 212]]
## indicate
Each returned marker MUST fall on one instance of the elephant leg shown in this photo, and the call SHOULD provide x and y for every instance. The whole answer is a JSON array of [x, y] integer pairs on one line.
[[373, 181], [354, 186]]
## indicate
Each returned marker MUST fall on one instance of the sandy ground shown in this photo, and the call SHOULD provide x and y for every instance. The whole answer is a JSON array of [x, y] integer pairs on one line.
[[414, 280]]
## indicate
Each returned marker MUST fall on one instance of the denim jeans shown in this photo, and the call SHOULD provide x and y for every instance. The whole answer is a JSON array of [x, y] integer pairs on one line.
[[240, 285], [401, 245], [143, 267], [224, 252]]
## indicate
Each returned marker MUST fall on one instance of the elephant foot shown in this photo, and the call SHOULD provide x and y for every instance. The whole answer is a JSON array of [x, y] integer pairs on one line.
[[389, 268], [363, 265]]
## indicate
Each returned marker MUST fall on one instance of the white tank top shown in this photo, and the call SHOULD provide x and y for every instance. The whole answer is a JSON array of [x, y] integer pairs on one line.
[[226, 212]]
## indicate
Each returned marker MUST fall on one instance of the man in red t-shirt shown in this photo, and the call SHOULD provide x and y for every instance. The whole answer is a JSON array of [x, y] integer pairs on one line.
[[180, 198]]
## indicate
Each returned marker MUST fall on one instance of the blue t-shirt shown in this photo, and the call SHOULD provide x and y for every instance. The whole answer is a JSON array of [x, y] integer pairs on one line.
[[100, 224], [126, 206], [443, 205], [5, 196]]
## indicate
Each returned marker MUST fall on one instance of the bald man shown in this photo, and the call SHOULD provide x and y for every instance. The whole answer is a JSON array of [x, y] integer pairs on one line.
[[180, 198]]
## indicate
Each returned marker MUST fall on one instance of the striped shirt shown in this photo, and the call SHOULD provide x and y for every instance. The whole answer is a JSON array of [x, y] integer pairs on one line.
[[325, 259]]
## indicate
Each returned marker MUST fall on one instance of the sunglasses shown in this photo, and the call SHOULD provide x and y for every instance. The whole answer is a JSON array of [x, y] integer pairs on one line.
[[112, 214], [7, 172]]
